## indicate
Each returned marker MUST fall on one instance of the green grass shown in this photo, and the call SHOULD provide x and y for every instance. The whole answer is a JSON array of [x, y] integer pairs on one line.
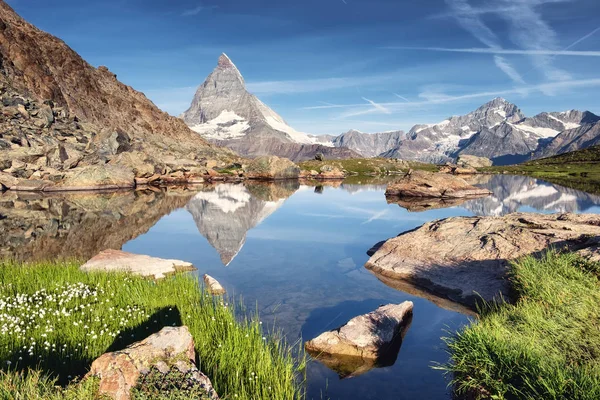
[[578, 169], [545, 346], [367, 166], [67, 318]]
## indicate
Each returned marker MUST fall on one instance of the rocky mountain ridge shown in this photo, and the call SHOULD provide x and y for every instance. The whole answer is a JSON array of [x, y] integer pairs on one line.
[[497, 130]]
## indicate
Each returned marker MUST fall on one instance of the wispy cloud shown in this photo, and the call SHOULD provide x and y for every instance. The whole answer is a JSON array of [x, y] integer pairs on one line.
[[527, 29], [377, 106], [431, 97], [315, 85], [401, 97], [501, 51], [197, 10], [508, 69]]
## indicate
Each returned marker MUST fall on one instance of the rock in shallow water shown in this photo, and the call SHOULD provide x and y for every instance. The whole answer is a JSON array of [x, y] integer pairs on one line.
[[170, 349], [466, 259], [137, 264], [428, 184], [365, 341]]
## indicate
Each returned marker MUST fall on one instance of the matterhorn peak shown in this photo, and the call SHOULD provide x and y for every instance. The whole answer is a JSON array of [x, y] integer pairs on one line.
[[225, 62]]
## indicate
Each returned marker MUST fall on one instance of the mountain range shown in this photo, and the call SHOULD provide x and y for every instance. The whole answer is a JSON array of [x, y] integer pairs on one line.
[[497, 130], [225, 113]]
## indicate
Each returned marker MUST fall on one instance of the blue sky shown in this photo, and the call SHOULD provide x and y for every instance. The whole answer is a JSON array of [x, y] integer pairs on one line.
[[331, 65]]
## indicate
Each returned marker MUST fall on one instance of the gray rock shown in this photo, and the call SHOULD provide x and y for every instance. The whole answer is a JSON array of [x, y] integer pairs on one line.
[[137, 264], [370, 337], [466, 259]]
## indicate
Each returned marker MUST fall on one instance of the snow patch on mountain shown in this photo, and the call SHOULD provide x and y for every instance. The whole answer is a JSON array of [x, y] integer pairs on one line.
[[227, 125]]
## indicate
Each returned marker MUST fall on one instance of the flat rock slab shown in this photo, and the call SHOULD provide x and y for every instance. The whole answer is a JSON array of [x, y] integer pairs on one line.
[[171, 349], [374, 338], [137, 264], [419, 204], [213, 285], [428, 184], [466, 259]]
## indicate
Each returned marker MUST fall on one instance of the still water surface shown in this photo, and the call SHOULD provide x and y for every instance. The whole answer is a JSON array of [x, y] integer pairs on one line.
[[296, 252]]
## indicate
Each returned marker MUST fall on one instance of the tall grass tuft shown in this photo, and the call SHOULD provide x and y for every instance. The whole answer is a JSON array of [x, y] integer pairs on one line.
[[55, 320], [545, 346]]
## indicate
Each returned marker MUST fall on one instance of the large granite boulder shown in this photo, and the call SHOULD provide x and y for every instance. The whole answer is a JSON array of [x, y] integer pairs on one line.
[[96, 177], [136, 161], [473, 161], [364, 342], [466, 259], [429, 184], [137, 264], [169, 352], [272, 168]]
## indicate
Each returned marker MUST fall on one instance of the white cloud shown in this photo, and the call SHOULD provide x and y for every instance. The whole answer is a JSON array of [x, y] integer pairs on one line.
[[314, 85], [527, 29], [508, 69], [431, 97], [485, 50], [377, 106], [197, 10]]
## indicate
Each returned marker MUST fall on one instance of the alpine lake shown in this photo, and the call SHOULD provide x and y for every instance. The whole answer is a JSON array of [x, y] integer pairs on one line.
[[293, 252]]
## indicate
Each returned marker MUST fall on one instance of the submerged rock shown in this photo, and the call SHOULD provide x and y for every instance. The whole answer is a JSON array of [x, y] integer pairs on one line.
[[137, 264], [466, 259], [171, 349], [429, 184], [272, 168], [364, 342], [213, 285]]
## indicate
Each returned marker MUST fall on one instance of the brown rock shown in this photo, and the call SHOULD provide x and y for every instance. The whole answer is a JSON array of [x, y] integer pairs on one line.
[[473, 161], [272, 168], [330, 172], [368, 336], [137, 264], [464, 171], [429, 184], [213, 285], [96, 177], [7, 181], [419, 204], [466, 259], [172, 347]]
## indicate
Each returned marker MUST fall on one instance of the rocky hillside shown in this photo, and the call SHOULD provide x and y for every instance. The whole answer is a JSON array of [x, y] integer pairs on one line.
[[224, 112], [61, 113]]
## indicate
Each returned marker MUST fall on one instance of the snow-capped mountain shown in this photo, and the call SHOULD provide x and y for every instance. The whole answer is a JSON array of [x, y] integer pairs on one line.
[[497, 130], [223, 111], [369, 145]]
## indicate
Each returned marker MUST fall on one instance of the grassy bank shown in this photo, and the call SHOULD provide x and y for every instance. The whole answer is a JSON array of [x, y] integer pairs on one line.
[[368, 166], [55, 320], [545, 346], [578, 169]]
